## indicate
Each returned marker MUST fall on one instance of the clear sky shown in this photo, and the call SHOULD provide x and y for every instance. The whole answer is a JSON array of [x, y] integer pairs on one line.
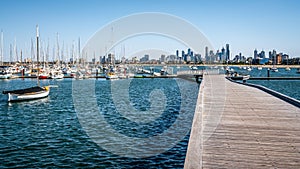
[[245, 25]]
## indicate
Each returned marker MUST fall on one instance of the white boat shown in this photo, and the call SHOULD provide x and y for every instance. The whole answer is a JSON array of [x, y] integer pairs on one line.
[[78, 75], [194, 67], [249, 68], [287, 68], [274, 69], [31, 93], [5, 73], [259, 68], [57, 75]]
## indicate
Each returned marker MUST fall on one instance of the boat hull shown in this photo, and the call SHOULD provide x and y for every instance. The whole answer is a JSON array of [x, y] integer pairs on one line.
[[6, 76], [57, 76], [110, 77], [28, 96], [43, 77]]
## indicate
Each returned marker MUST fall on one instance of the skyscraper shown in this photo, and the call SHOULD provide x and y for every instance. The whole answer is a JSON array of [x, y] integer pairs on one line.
[[227, 52], [255, 54], [206, 52], [189, 51], [223, 54]]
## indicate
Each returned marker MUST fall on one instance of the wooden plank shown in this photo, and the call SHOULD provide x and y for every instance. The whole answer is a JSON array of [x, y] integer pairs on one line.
[[254, 129]]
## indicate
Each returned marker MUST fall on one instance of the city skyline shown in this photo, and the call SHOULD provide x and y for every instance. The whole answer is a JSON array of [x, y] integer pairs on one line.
[[262, 25]]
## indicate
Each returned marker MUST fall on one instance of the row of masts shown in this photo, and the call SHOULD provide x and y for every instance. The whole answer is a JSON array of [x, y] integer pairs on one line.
[[60, 54]]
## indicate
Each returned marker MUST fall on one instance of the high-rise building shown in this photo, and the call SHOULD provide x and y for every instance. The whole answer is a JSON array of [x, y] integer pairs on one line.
[[223, 54], [111, 58], [255, 54], [227, 52], [189, 51], [206, 52], [262, 54], [163, 58], [270, 55], [274, 59], [145, 58]]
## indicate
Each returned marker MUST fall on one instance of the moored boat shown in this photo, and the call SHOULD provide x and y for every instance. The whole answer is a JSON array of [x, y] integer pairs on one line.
[[44, 76], [57, 75], [111, 75], [5, 73], [31, 93], [274, 69]]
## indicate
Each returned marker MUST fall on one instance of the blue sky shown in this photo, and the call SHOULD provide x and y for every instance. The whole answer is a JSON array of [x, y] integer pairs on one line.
[[245, 25]]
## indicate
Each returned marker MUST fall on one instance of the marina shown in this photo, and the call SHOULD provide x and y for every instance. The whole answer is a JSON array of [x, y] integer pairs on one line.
[[150, 84], [211, 139]]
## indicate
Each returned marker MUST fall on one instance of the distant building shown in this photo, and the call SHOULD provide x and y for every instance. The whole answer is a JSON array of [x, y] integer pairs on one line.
[[189, 51], [171, 59], [223, 54], [207, 59], [263, 61], [273, 57], [262, 54], [163, 58], [111, 58], [145, 58], [198, 58], [255, 54], [227, 53], [285, 57]]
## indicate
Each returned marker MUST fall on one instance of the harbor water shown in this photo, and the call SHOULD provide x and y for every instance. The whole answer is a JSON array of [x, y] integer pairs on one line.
[[48, 132], [290, 88]]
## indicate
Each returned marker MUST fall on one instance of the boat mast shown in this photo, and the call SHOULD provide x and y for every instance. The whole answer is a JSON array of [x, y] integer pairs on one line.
[[57, 43], [32, 54], [79, 49], [10, 54], [2, 53], [37, 52], [16, 51]]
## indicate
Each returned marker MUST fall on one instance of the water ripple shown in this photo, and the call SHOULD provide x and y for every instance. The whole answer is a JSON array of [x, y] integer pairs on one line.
[[47, 134]]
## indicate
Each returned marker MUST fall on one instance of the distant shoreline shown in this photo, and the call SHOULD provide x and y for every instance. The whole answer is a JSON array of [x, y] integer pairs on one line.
[[208, 65]]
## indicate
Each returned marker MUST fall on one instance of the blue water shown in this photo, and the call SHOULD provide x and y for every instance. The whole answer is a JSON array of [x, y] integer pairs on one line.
[[264, 72], [288, 87], [47, 132]]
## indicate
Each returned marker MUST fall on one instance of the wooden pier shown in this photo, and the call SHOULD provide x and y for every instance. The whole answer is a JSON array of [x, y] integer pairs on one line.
[[238, 126]]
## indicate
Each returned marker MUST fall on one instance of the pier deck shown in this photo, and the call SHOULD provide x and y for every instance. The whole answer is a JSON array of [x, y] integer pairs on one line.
[[237, 126]]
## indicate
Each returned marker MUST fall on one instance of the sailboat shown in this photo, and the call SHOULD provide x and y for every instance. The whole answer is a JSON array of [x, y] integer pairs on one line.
[[110, 75], [31, 93], [5, 73]]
